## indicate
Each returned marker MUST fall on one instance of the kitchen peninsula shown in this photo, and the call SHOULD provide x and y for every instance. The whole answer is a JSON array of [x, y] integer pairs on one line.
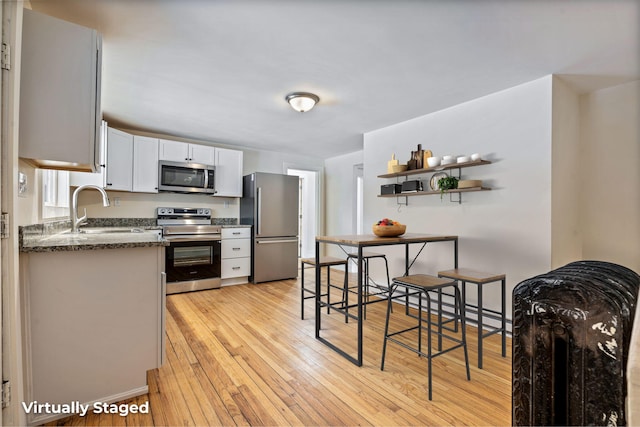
[[93, 311]]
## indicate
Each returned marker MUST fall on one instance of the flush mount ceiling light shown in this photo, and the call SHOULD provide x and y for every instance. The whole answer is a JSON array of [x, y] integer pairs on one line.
[[302, 101]]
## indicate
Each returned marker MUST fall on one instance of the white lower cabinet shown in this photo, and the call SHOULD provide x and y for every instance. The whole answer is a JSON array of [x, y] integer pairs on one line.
[[94, 324], [236, 255]]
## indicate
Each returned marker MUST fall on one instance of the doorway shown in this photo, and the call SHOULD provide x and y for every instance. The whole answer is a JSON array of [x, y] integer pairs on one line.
[[308, 210]]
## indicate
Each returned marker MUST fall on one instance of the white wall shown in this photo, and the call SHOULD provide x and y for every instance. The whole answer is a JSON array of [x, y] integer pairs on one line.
[[610, 135], [506, 230], [340, 196], [566, 187]]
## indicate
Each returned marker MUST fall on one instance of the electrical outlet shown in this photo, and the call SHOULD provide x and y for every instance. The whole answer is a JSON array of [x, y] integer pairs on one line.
[[226, 204], [116, 201]]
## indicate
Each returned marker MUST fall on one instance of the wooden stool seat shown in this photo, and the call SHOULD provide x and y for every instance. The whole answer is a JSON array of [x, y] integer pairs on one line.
[[325, 261], [480, 278], [423, 281], [365, 255], [469, 275], [422, 285]]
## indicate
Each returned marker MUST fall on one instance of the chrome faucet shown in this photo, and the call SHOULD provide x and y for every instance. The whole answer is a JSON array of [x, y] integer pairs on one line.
[[75, 221]]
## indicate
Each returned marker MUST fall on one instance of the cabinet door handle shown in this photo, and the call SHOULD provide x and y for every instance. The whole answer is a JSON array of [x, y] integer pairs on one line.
[[108, 183], [235, 268], [236, 249], [236, 233]]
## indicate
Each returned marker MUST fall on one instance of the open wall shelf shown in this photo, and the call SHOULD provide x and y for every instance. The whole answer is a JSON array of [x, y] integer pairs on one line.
[[436, 169], [423, 171], [427, 193]]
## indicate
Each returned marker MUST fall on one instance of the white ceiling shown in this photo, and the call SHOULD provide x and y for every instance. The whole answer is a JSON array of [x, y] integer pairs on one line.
[[219, 70]]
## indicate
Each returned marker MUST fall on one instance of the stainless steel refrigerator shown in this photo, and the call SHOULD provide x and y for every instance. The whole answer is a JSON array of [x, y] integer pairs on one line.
[[270, 204]]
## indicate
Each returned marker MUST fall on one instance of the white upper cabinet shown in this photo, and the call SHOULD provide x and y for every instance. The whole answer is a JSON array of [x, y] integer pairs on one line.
[[176, 151], [119, 168], [145, 164], [59, 93], [76, 179], [202, 154], [228, 174]]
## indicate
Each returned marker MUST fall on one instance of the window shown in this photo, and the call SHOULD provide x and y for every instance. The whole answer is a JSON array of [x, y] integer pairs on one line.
[[55, 193]]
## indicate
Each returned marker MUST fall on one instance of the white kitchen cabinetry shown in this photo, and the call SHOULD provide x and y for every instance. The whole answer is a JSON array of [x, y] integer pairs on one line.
[[145, 164], [228, 174], [202, 154], [94, 324], [236, 255], [76, 179], [119, 167], [130, 163], [59, 93], [177, 151]]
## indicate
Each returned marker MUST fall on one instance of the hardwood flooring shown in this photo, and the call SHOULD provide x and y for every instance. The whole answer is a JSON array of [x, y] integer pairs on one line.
[[241, 355]]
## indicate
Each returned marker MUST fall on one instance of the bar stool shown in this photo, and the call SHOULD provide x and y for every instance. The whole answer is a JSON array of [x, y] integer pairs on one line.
[[479, 278], [422, 285], [366, 257], [325, 261]]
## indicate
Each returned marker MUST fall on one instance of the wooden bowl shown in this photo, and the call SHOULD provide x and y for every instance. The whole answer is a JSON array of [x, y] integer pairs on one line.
[[389, 230]]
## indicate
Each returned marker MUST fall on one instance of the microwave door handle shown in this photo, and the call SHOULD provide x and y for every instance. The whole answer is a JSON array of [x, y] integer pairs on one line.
[[206, 178], [259, 215]]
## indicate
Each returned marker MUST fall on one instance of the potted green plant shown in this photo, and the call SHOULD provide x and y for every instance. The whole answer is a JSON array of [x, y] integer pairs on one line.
[[447, 183]]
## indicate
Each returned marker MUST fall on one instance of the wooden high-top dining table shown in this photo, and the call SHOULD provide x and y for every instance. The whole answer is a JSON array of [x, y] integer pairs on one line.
[[361, 241]]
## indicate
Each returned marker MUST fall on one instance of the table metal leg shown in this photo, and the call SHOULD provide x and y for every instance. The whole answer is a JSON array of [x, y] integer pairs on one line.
[[480, 325], [504, 320], [455, 253], [360, 311], [318, 321]]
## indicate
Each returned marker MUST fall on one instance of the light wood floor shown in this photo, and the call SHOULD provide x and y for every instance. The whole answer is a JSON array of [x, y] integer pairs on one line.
[[241, 355]]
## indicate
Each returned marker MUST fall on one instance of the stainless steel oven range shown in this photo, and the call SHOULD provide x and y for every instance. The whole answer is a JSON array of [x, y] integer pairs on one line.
[[192, 259]]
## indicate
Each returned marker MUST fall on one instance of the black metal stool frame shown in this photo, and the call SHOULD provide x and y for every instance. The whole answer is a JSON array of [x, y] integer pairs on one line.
[[482, 312], [421, 291], [366, 294], [312, 291]]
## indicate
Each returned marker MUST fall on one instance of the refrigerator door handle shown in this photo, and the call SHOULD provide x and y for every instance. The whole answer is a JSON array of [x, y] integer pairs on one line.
[[264, 242], [259, 215]]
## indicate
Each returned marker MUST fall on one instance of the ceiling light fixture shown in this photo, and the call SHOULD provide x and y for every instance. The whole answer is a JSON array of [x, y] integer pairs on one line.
[[302, 101]]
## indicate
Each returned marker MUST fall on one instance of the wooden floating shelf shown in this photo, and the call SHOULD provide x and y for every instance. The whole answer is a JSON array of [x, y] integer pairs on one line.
[[436, 169], [428, 193]]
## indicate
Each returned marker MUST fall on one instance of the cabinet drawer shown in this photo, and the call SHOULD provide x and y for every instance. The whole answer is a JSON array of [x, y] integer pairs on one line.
[[236, 267], [236, 248], [236, 233]]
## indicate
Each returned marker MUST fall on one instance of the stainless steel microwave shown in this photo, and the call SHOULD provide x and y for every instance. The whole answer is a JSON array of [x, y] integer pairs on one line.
[[182, 177]]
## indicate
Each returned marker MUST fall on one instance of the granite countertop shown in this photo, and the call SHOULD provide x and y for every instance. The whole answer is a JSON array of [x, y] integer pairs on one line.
[[96, 239], [56, 237], [103, 233]]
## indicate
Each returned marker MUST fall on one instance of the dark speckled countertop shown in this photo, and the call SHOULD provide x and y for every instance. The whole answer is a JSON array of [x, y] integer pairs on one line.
[[56, 236], [104, 233]]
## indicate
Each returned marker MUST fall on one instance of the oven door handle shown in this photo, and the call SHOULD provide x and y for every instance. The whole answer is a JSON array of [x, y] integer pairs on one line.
[[194, 238], [264, 242]]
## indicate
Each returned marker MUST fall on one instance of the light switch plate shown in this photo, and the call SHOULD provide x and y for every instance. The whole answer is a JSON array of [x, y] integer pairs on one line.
[[22, 185]]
